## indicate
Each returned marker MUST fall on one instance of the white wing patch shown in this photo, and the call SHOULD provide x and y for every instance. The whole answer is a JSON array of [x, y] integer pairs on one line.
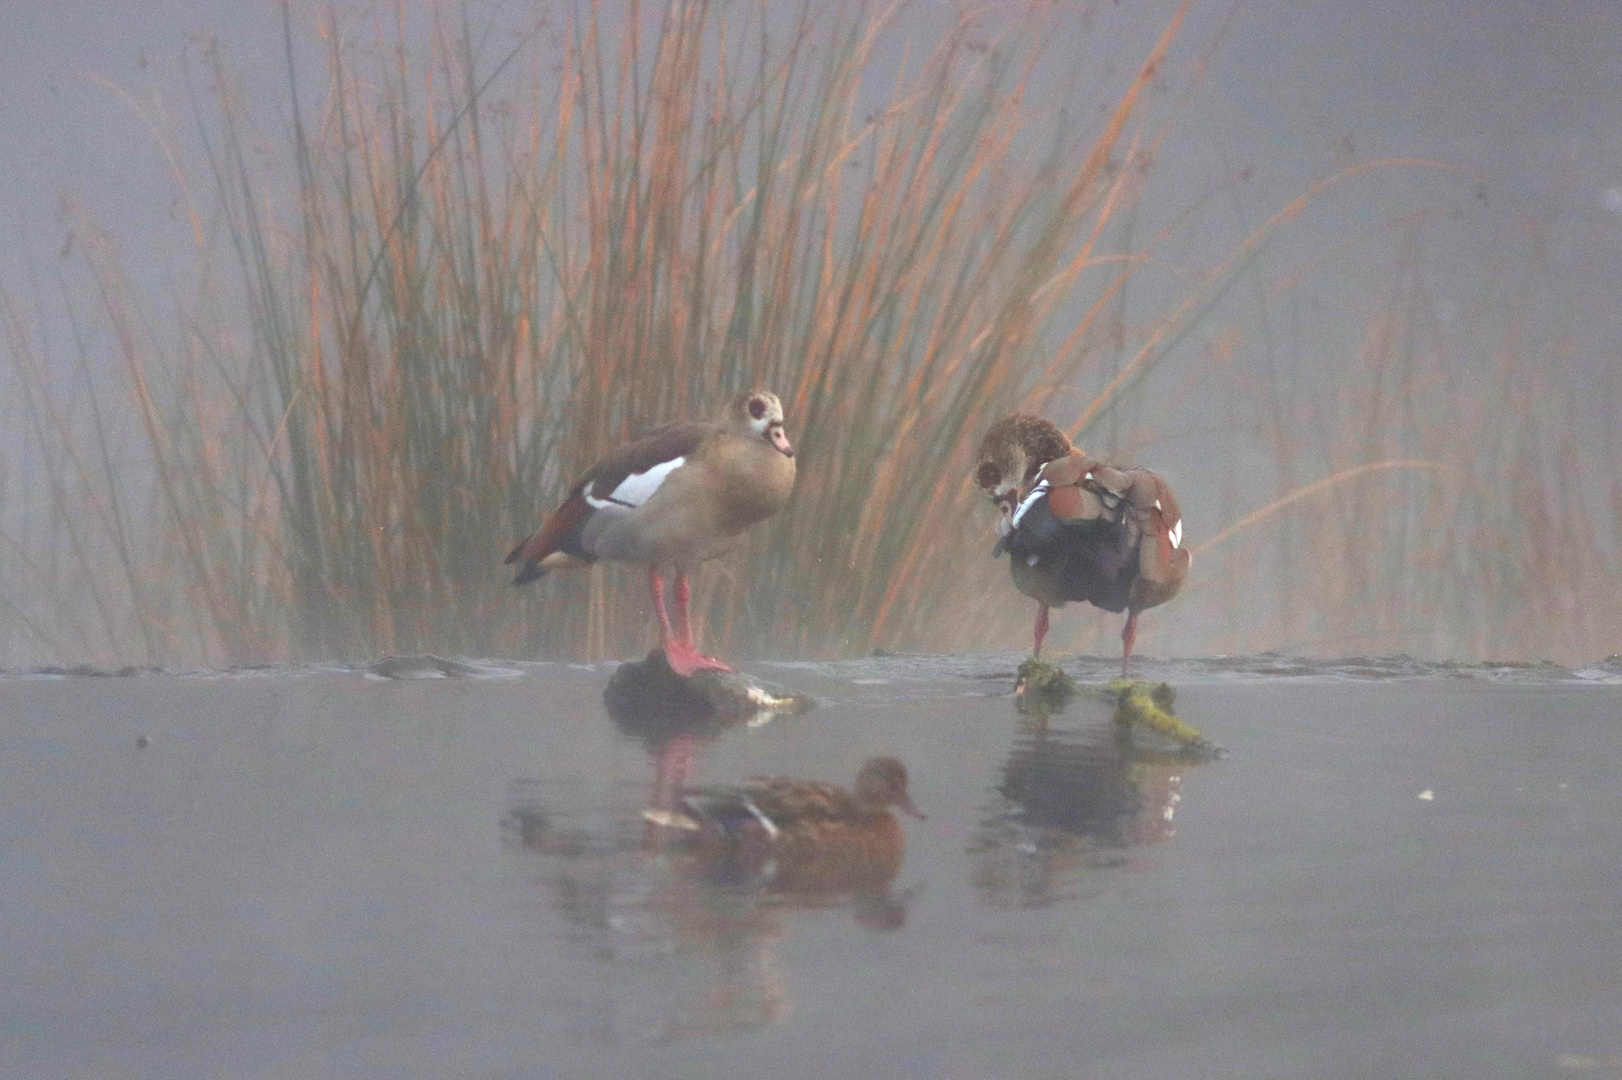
[[635, 489], [1177, 534], [765, 822], [1036, 492], [670, 821]]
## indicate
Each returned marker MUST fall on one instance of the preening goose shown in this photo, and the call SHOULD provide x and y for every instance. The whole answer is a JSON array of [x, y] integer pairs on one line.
[[672, 499], [1077, 528]]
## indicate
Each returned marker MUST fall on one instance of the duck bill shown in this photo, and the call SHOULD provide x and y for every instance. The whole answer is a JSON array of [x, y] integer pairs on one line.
[[780, 441], [1006, 503], [904, 804]]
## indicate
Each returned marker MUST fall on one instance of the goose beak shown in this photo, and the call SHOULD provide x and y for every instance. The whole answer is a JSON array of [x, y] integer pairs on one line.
[[780, 440], [904, 803], [1005, 524]]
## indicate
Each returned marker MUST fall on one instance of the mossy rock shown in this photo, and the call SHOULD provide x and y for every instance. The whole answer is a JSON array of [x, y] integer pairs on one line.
[[1150, 705], [1043, 686], [649, 689]]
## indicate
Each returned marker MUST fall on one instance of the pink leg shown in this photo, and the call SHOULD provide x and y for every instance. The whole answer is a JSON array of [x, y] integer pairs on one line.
[[684, 626], [656, 585], [673, 765], [1041, 629], [683, 659], [1129, 635]]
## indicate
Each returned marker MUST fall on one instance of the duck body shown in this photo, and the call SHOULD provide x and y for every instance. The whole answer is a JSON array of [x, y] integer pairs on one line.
[[805, 822], [795, 815], [675, 498], [1090, 532], [1077, 528]]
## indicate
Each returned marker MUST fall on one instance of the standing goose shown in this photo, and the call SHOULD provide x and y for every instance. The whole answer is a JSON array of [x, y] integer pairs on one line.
[[678, 496], [1076, 528]]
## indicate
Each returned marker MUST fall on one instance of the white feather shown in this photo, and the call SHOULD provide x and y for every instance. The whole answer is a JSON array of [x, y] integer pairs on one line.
[[1037, 492], [766, 823], [592, 501], [638, 488], [669, 820], [1177, 534]]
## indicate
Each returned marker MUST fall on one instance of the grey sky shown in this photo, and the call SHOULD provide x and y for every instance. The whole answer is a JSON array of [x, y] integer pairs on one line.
[[1528, 93]]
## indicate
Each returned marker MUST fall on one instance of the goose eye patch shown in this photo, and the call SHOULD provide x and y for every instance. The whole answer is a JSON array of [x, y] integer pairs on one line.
[[757, 408], [987, 475]]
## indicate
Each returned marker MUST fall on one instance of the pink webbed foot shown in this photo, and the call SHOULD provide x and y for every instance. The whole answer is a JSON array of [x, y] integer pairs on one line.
[[687, 661]]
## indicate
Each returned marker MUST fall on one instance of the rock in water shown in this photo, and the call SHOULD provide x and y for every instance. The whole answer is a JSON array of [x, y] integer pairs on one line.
[[650, 686], [1146, 704], [1042, 686]]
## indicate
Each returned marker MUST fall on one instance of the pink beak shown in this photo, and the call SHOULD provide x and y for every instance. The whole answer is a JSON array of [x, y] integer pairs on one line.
[[780, 441]]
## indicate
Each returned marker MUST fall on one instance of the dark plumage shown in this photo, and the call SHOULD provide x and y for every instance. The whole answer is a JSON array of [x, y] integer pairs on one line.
[[1078, 528]]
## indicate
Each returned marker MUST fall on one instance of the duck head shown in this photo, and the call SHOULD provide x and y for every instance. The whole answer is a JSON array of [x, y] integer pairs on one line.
[[1012, 453], [882, 782], [758, 414]]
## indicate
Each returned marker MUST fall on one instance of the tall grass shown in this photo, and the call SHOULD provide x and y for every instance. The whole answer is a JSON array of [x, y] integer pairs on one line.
[[488, 272], [472, 273], [1460, 507]]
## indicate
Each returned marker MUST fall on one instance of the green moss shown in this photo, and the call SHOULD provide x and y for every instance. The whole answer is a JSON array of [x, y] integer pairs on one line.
[[1150, 705], [1043, 686]]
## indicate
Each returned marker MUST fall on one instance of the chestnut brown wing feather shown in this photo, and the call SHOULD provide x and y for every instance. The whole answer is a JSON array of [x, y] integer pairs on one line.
[[788, 801], [546, 539], [1066, 470], [1068, 494], [1162, 567], [1100, 534]]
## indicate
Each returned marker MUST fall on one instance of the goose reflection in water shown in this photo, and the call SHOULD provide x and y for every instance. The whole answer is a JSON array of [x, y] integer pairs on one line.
[[702, 918], [1069, 802]]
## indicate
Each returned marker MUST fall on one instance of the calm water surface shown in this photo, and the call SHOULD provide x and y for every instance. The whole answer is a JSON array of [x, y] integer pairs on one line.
[[310, 874]]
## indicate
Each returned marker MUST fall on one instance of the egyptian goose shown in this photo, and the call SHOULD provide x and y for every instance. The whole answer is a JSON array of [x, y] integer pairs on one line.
[[796, 818], [678, 496], [1076, 528]]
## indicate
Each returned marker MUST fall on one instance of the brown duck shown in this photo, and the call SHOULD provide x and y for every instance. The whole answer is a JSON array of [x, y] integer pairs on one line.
[[1078, 528], [676, 497], [801, 821]]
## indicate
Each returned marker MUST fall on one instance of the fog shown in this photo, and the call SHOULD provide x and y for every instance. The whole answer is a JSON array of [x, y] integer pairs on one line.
[[1492, 247]]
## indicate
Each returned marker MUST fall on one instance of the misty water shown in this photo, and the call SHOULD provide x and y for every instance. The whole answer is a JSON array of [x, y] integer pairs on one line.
[[1400, 869]]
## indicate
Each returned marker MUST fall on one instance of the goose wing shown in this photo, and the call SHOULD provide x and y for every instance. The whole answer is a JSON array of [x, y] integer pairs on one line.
[[626, 478]]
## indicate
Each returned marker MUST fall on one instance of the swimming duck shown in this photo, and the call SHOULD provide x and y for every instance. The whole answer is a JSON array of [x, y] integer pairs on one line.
[[806, 818], [1078, 528], [672, 499]]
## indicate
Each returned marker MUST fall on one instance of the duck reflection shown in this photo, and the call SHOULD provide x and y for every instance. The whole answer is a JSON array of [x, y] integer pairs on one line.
[[701, 881], [806, 843], [1070, 801]]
